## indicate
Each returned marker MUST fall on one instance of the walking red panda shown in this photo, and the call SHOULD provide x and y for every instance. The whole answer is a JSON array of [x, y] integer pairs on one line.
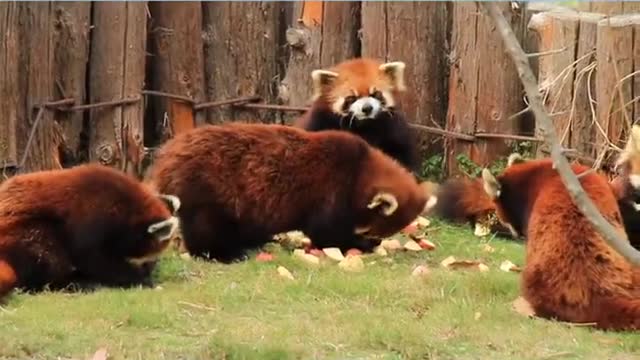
[[361, 96], [88, 224], [571, 273], [241, 184]]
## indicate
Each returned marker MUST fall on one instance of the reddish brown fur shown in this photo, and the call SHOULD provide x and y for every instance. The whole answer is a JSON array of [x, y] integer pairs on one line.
[[78, 224], [463, 200], [388, 131], [240, 184], [571, 273]]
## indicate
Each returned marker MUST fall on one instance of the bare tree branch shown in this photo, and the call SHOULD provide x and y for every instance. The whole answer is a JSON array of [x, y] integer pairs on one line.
[[579, 197]]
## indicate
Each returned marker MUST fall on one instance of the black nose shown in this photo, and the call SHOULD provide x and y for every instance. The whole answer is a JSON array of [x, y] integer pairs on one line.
[[367, 108]]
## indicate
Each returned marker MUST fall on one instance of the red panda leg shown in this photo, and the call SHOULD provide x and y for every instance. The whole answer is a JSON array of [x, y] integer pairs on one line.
[[8, 278]]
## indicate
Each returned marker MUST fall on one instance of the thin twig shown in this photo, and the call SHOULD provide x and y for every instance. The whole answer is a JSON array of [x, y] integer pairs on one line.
[[167, 95], [446, 133], [27, 148], [272, 107], [236, 101], [548, 52], [579, 197], [105, 104]]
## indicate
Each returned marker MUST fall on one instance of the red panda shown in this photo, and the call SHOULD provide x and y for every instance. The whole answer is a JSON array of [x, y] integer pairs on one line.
[[88, 224], [241, 184], [571, 273], [360, 95], [463, 200], [626, 186]]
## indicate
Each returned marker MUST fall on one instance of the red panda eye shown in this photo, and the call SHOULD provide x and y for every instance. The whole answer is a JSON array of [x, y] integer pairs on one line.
[[348, 101]]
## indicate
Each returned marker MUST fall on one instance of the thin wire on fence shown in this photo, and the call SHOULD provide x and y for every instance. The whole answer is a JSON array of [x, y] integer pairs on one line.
[[247, 102]]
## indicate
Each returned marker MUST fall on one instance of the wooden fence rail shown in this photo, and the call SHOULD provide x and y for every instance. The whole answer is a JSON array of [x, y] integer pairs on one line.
[[106, 81]]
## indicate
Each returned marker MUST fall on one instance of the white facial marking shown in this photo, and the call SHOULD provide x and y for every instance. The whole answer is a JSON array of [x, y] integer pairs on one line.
[[365, 108], [635, 181], [635, 205]]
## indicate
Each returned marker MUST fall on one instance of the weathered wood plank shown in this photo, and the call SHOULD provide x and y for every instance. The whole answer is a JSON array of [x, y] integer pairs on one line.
[[35, 86], [583, 129], [615, 61], [177, 66], [9, 82], [71, 51], [415, 33], [463, 81], [241, 53], [322, 34], [117, 69], [557, 30]]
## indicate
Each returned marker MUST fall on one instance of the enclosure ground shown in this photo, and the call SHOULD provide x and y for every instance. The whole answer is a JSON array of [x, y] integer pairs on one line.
[[247, 311]]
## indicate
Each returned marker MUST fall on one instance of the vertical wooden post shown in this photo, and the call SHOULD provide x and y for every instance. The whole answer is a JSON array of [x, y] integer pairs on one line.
[[28, 42], [557, 30], [463, 81], [416, 33], [484, 88], [241, 51], [615, 61], [9, 83], [177, 66], [71, 51], [117, 69], [321, 35], [583, 129]]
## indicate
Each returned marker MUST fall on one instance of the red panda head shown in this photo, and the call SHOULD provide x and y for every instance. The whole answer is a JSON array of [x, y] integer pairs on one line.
[[388, 197], [359, 89], [629, 160], [515, 190]]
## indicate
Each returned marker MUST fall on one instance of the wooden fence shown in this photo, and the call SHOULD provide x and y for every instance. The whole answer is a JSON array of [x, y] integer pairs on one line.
[[106, 81]]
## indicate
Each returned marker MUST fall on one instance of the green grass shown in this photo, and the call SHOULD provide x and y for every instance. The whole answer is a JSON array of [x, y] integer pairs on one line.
[[247, 311]]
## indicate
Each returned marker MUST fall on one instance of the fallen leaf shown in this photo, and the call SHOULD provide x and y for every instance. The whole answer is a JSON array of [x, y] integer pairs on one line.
[[159, 288], [453, 264], [488, 248], [353, 252], [294, 238], [352, 263], [522, 307], [477, 316], [380, 250], [333, 253], [101, 354], [420, 270], [185, 256], [481, 230], [282, 271], [264, 257], [412, 245], [426, 244], [392, 244], [508, 266]]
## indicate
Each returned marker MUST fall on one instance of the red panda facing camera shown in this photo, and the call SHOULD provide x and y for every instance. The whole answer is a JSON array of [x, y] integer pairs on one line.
[[571, 273], [240, 184], [88, 224], [359, 96], [627, 186]]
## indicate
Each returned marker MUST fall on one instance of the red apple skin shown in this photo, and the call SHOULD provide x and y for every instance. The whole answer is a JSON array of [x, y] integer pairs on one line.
[[353, 252], [263, 256], [316, 252], [410, 229], [426, 244]]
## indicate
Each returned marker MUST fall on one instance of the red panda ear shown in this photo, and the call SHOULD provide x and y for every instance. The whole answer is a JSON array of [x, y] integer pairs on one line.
[[172, 202], [490, 184], [394, 71], [164, 230], [387, 201], [322, 80]]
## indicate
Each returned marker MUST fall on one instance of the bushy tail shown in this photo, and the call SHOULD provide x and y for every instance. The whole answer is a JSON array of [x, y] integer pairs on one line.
[[8, 278], [618, 313], [462, 200]]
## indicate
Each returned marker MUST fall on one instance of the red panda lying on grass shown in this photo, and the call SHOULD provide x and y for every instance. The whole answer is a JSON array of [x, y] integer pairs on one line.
[[571, 274], [360, 96], [240, 184], [90, 224]]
